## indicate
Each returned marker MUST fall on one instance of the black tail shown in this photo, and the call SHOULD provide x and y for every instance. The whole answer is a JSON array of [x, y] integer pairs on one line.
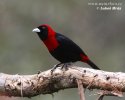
[[89, 62]]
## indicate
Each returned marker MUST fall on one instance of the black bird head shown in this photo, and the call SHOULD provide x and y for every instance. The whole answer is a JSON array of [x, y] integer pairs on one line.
[[43, 31]]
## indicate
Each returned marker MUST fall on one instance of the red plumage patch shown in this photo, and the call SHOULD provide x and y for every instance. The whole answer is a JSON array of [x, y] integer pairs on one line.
[[84, 58], [51, 42]]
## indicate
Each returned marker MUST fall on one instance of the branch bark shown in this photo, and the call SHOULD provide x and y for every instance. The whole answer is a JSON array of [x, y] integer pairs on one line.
[[45, 83]]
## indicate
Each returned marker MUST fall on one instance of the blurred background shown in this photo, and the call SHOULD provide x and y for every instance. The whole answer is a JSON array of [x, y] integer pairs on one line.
[[101, 34]]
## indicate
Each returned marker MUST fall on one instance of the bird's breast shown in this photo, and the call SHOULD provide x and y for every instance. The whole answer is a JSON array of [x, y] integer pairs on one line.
[[51, 43]]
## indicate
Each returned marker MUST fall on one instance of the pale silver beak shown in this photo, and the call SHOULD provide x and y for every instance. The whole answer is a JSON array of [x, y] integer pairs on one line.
[[36, 30]]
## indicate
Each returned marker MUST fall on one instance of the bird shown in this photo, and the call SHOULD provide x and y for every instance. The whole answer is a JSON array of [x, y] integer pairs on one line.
[[61, 47]]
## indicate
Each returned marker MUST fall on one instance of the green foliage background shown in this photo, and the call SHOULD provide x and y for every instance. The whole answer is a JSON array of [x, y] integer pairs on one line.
[[101, 34]]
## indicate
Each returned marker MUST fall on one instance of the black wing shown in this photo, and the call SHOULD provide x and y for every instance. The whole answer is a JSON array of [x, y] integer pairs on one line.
[[68, 44]]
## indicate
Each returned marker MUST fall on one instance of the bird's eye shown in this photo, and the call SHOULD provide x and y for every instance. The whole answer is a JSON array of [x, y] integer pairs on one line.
[[43, 27]]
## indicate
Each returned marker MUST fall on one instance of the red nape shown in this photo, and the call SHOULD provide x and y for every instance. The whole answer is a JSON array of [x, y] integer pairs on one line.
[[51, 32], [51, 42], [84, 58]]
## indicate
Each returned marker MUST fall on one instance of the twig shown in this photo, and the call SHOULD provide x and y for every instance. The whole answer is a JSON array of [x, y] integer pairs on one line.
[[109, 93], [81, 89]]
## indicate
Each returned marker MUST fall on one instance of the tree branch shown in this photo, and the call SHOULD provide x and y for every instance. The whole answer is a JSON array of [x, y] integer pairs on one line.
[[45, 83]]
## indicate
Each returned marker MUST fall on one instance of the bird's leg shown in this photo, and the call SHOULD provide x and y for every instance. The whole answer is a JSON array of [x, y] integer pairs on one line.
[[66, 65], [55, 66]]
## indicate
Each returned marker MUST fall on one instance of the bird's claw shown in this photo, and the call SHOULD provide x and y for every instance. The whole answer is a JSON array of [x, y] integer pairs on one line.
[[38, 72], [64, 66], [55, 66]]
